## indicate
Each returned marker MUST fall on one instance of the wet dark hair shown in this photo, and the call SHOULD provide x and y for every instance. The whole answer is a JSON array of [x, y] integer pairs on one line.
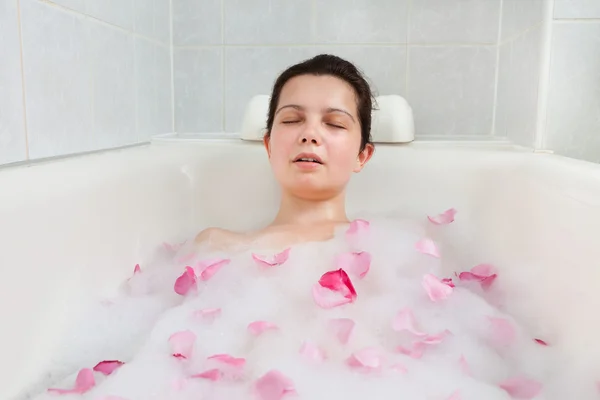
[[327, 64]]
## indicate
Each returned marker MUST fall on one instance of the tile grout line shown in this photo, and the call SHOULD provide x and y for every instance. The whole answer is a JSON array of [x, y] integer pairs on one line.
[[25, 127], [407, 65], [296, 45], [539, 138], [223, 83], [172, 56], [497, 75]]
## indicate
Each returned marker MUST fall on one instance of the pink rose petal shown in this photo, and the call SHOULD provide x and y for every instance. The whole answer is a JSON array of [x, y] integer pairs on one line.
[[208, 269], [444, 218], [182, 344], [356, 263], [541, 342], [212, 375], [368, 358], [137, 269], [229, 360], [208, 314], [272, 261], [343, 328], [454, 396], [258, 327], [312, 352], [334, 289], [274, 386], [405, 321], [482, 273], [84, 382], [464, 366], [108, 367], [357, 226], [186, 282], [418, 347], [435, 288], [399, 368], [186, 259], [503, 331], [449, 282], [521, 388], [427, 246]]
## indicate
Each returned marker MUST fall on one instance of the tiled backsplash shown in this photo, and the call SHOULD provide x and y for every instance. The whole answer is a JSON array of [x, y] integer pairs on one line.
[[572, 125], [82, 75], [440, 54]]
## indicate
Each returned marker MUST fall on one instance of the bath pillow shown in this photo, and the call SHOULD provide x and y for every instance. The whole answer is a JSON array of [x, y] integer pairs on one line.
[[392, 122]]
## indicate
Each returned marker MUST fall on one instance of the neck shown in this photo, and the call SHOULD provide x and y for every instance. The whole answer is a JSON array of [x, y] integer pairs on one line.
[[297, 211]]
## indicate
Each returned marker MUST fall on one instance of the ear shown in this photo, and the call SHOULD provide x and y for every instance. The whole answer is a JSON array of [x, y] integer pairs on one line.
[[363, 157], [267, 143]]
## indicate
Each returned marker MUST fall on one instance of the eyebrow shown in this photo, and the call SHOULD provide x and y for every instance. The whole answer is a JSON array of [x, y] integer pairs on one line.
[[327, 110]]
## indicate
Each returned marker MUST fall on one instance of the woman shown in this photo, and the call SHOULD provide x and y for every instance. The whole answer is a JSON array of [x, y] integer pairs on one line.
[[318, 134]]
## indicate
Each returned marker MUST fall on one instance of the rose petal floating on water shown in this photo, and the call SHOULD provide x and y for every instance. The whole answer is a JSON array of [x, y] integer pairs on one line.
[[464, 366], [334, 289], [274, 386], [503, 331], [108, 367], [435, 288], [368, 358], [312, 352], [207, 313], [272, 261], [258, 327], [343, 328], [482, 273], [209, 268], [84, 382], [444, 218], [521, 388], [186, 282], [182, 344], [229, 360], [356, 263], [405, 321], [212, 375], [427, 246]]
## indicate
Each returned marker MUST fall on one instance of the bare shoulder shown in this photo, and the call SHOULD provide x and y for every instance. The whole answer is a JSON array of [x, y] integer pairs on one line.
[[218, 238]]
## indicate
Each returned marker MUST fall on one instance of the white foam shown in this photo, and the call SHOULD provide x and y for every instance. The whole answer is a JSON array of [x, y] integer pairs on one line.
[[136, 326]]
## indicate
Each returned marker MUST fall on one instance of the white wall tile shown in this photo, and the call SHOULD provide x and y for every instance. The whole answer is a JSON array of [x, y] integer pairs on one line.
[[58, 83], [12, 129], [458, 21], [116, 12], [196, 22], [267, 21], [573, 116], [518, 82], [252, 71], [152, 19], [198, 90], [451, 89], [384, 66], [361, 21], [112, 60], [518, 15], [153, 89], [576, 9]]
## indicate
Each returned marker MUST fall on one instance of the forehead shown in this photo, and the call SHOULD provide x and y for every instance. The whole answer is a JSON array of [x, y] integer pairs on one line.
[[319, 92]]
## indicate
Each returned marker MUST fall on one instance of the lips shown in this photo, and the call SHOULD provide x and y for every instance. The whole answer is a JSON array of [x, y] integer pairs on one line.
[[308, 157]]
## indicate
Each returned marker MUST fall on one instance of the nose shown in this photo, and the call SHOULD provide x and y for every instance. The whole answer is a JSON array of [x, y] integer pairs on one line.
[[310, 135]]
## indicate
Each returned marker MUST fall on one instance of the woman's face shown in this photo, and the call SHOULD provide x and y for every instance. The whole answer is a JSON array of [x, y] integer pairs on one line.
[[314, 146]]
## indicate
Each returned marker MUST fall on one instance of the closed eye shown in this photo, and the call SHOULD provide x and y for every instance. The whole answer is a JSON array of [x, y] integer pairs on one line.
[[289, 122], [336, 126]]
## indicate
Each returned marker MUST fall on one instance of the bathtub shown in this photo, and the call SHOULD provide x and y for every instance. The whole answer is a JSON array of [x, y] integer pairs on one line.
[[72, 229]]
